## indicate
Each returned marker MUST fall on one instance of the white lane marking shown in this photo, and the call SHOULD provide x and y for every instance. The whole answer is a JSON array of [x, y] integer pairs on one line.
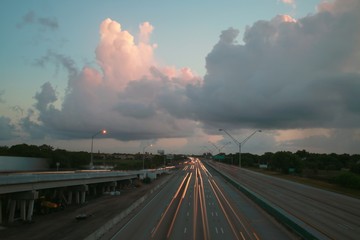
[[222, 230], [187, 214], [345, 226], [216, 214], [185, 230], [217, 232], [212, 213]]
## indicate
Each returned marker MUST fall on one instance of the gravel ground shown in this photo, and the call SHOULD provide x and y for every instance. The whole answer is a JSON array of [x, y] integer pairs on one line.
[[64, 225]]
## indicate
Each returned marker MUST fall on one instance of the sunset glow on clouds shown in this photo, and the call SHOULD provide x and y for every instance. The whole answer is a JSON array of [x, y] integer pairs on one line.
[[122, 59], [122, 96], [296, 79], [288, 1]]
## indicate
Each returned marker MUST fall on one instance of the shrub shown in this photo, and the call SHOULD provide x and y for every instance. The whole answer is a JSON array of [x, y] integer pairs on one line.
[[349, 180]]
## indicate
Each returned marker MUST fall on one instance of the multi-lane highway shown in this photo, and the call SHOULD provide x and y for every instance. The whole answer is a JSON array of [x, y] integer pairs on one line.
[[198, 204], [333, 215]]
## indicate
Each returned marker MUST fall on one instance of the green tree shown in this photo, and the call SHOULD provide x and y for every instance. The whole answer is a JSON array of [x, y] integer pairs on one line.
[[302, 154], [283, 161], [266, 158], [348, 179], [4, 150]]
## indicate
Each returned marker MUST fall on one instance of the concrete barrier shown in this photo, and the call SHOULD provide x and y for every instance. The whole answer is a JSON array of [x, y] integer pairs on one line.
[[297, 226]]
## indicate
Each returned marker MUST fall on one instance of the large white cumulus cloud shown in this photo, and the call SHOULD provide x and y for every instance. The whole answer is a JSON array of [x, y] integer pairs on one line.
[[287, 74], [122, 95]]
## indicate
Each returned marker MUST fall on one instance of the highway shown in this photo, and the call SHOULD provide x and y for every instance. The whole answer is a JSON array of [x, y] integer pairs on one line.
[[334, 215], [198, 204]]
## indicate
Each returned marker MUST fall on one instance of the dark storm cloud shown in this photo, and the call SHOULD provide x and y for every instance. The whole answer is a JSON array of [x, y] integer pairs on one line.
[[7, 129], [59, 61], [44, 23], [31, 127], [45, 97], [2, 93], [286, 74], [341, 141]]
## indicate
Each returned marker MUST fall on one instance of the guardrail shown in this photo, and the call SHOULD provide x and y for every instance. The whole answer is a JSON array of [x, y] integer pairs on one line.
[[280, 215], [9, 179]]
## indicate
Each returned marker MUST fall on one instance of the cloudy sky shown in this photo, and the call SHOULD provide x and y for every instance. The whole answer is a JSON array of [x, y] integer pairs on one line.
[[171, 73]]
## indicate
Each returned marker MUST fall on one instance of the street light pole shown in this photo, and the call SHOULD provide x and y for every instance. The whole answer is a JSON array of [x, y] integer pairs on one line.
[[213, 144], [92, 144], [210, 151], [219, 148], [239, 143], [149, 145], [224, 146]]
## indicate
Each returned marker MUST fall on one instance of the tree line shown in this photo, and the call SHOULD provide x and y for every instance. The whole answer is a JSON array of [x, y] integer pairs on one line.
[[72, 160], [283, 161], [342, 169], [66, 159]]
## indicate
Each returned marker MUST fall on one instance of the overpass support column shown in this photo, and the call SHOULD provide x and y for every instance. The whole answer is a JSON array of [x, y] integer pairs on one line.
[[1, 216], [23, 197], [23, 210], [94, 190], [69, 201], [12, 210], [113, 186], [77, 197], [84, 189], [80, 193], [83, 197], [30, 210]]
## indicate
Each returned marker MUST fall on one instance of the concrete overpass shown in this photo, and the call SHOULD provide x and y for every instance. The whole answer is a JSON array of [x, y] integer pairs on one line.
[[18, 191], [19, 182]]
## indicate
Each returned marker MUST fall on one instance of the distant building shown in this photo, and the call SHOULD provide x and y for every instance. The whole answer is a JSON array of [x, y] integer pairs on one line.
[[263, 166], [124, 156]]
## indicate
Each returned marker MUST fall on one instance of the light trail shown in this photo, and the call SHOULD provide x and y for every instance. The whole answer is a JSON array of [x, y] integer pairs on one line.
[[178, 207], [224, 211], [241, 221], [203, 207], [196, 196], [168, 207]]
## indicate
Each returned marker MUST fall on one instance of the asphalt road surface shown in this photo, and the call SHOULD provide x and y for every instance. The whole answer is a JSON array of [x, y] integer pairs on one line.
[[198, 204], [333, 215]]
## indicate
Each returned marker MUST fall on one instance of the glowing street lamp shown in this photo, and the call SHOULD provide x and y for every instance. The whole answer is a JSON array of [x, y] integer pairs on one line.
[[239, 143], [92, 144]]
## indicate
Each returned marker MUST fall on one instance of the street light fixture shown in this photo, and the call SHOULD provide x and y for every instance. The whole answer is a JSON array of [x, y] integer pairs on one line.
[[149, 145], [210, 151], [239, 143], [92, 144], [219, 148]]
